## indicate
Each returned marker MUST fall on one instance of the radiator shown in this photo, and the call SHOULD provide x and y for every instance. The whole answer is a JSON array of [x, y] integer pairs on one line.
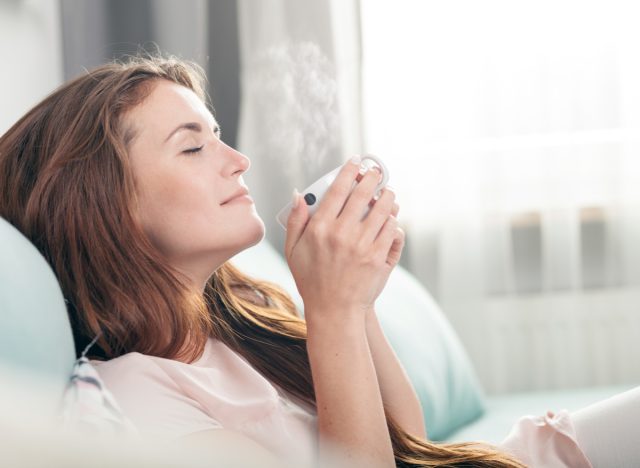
[[555, 341]]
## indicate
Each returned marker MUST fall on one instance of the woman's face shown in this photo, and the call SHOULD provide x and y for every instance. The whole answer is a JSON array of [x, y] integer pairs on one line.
[[186, 181]]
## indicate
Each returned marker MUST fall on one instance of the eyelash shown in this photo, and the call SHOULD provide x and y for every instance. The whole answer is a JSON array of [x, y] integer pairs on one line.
[[218, 133], [194, 150]]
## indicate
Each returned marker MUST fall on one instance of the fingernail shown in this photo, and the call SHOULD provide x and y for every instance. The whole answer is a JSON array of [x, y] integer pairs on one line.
[[356, 159], [295, 199]]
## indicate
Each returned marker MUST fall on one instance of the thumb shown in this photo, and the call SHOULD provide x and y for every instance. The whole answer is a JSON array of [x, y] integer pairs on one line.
[[296, 222]]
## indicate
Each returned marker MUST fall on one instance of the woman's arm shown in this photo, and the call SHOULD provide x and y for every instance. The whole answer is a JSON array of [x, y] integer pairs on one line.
[[398, 394], [351, 420], [340, 263]]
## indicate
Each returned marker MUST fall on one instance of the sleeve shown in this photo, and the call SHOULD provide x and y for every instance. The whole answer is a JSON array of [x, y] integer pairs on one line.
[[548, 440], [152, 400]]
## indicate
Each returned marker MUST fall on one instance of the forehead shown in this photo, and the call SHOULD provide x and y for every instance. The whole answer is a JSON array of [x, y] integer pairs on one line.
[[167, 105]]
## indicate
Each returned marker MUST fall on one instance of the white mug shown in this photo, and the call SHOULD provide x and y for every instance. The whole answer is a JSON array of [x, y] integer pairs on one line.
[[314, 193]]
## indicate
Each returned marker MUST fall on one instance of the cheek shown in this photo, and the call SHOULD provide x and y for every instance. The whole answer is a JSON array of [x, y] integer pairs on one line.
[[176, 209]]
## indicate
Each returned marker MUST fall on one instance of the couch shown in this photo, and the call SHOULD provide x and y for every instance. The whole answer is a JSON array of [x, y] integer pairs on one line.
[[37, 351], [454, 404]]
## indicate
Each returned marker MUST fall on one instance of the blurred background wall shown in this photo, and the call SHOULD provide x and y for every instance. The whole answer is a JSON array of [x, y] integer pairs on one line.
[[44, 42], [95, 31]]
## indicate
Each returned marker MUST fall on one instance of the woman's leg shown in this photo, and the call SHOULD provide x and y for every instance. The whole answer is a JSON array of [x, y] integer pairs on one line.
[[608, 431]]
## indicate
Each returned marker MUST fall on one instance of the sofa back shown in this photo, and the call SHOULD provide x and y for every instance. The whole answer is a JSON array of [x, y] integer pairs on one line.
[[422, 337], [35, 334]]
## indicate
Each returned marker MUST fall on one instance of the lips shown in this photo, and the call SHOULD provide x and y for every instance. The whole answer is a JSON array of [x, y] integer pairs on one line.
[[242, 191]]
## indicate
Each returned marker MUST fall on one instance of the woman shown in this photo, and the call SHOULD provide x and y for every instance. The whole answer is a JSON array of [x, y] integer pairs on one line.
[[121, 180]]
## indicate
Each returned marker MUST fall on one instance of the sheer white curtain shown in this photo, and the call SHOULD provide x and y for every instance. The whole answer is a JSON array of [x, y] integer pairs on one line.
[[31, 51], [512, 132], [300, 110]]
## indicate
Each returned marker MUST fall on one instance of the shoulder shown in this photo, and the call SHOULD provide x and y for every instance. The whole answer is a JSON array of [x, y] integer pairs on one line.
[[126, 362], [130, 369], [152, 398], [136, 380]]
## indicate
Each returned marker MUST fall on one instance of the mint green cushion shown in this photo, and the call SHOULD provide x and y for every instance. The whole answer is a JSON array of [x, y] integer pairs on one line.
[[35, 333], [423, 339], [263, 262], [431, 353]]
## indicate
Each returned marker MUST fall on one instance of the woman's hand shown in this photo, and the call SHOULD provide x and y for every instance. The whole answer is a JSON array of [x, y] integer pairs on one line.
[[339, 260]]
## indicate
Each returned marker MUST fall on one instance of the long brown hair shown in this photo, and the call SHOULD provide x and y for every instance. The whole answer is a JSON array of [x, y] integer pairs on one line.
[[66, 183]]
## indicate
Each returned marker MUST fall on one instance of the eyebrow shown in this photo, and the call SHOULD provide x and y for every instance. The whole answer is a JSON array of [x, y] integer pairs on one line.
[[192, 126]]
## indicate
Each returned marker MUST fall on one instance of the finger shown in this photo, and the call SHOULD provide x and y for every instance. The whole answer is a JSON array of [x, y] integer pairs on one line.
[[360, 197], [297, 221], [337, 194], [386, 236], [378, 215], [395, 210], [395, 252]]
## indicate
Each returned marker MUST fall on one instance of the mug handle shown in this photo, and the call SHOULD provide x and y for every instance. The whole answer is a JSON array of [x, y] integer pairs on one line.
[[383, 169]]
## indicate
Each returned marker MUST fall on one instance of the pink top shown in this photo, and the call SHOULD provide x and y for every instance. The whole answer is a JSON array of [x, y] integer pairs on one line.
[[168, 399], [548, 441]]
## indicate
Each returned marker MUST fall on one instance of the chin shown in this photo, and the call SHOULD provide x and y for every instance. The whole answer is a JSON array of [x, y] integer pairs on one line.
[[254, 233], [259, 231]]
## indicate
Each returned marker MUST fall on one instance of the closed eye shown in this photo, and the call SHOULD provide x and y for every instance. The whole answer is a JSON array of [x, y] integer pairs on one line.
[[193, 150]]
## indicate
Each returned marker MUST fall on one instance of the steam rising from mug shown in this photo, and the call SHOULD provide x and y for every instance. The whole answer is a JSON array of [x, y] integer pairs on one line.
[[295, 85]]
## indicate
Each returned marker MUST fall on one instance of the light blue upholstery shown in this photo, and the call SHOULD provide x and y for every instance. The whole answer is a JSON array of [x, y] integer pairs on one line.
[[35, 333], [421, 336], [429, 349], [431, 353], [263, 262]]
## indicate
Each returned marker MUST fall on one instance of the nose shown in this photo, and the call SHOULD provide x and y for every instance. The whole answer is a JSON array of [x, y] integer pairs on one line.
[[237, 163]]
